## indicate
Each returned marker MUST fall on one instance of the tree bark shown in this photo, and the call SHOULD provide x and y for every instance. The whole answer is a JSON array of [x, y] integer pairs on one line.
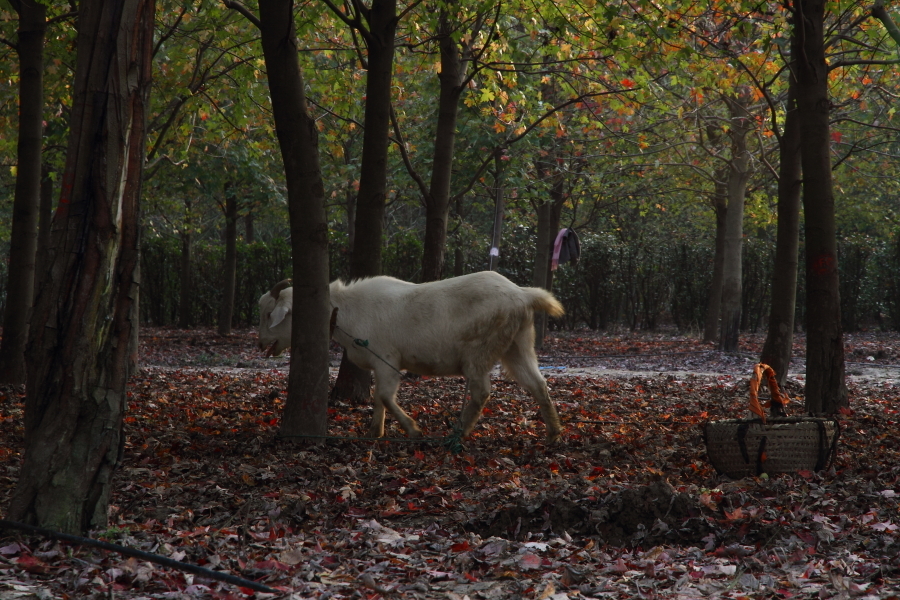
[[549, 214], [497, 230], [826, 390], [81, 348], [354, 383], [365, 258], [437, 201], [184, 274], [714, 299], [306, 410], [249, 227], [779, 342], [45, 216], [738, 175], [543, 254], [23, 242], [226, 310]]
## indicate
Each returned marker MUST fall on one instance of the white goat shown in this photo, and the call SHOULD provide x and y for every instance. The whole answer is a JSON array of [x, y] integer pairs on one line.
[[460, 326]]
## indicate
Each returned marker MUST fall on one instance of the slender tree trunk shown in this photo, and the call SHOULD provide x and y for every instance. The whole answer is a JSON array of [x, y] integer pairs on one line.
[[23, 243], [365, 260], [353, 383], [81, 348], [226, 310], [497, 231], [714, 300], [543, 254], [780, 335], [306, 411], [549, 214], [738, 176], [249, 229], [185, 294], [437, 202], [826, 390]]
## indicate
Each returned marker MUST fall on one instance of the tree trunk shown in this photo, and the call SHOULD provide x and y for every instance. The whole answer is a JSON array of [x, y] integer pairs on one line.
[[543, 254], [826, 390], [497, 231], [738, 176], [185, 294], [353, 383], [81, 350], [714, 300], [549, 214], [437, 202], [780, 336], [249, 229], [23, 243], [306, 410], [226, 310], [45, 215], [365, 259]]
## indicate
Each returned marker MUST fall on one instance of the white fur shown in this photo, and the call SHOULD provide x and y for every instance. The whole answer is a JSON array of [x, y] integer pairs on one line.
[[460, 326], [275, 321]]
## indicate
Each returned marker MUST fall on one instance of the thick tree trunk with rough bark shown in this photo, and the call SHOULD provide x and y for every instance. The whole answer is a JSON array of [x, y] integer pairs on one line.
[[714, 298], [738, 175], [306, 410], [226, 309], [23, 242], [780, 336], [826, 390], [81, 347]]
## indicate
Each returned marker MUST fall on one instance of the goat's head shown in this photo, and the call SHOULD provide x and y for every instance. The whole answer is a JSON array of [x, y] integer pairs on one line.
[[275, 308]]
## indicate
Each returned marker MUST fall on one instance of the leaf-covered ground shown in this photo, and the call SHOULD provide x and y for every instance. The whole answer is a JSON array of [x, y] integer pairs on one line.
[[626, 506]]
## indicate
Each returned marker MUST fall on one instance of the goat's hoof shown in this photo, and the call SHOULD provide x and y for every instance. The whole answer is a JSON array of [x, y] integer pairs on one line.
[[553, 438], [374, 434], [416, 434]]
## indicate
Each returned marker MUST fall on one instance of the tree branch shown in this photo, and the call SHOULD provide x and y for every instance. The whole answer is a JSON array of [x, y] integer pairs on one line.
[[235, 5], [401, 145]]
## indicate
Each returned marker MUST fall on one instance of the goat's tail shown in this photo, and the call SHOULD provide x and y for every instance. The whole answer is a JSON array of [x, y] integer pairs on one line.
[[543, 300]]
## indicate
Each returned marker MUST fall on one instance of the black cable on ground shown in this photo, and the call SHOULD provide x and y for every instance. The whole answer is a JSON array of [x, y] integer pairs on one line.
[[154, 558]]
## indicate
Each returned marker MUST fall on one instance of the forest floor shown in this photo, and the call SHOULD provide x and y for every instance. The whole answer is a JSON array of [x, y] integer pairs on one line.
[[627, 505]]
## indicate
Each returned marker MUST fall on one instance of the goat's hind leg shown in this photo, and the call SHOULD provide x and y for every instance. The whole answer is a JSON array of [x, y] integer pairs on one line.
[[521, 364]]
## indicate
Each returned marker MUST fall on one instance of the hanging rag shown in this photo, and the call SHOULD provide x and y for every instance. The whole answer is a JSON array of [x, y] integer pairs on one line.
[[566, 248]]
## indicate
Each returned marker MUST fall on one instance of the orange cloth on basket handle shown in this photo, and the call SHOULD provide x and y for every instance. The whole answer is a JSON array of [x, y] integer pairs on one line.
[[777, 396]]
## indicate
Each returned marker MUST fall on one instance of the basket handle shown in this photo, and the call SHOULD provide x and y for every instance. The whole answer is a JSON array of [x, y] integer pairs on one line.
[[778, 397]]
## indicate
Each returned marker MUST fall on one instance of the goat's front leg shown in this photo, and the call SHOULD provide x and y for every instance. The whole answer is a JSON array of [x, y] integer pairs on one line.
[[386, 385], [376, 428]]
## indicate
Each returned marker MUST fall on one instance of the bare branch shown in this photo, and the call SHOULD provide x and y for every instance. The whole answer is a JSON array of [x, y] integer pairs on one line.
[[235, 5], [401, 145]]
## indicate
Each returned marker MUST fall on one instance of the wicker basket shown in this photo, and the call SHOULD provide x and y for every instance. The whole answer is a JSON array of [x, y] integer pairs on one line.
[[747, 447]]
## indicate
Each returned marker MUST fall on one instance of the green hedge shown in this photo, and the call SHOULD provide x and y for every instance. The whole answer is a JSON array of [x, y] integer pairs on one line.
[[640, 284], [259, 266]]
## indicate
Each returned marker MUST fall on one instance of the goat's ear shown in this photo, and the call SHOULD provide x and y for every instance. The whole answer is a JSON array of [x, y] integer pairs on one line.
[[278, 314]]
